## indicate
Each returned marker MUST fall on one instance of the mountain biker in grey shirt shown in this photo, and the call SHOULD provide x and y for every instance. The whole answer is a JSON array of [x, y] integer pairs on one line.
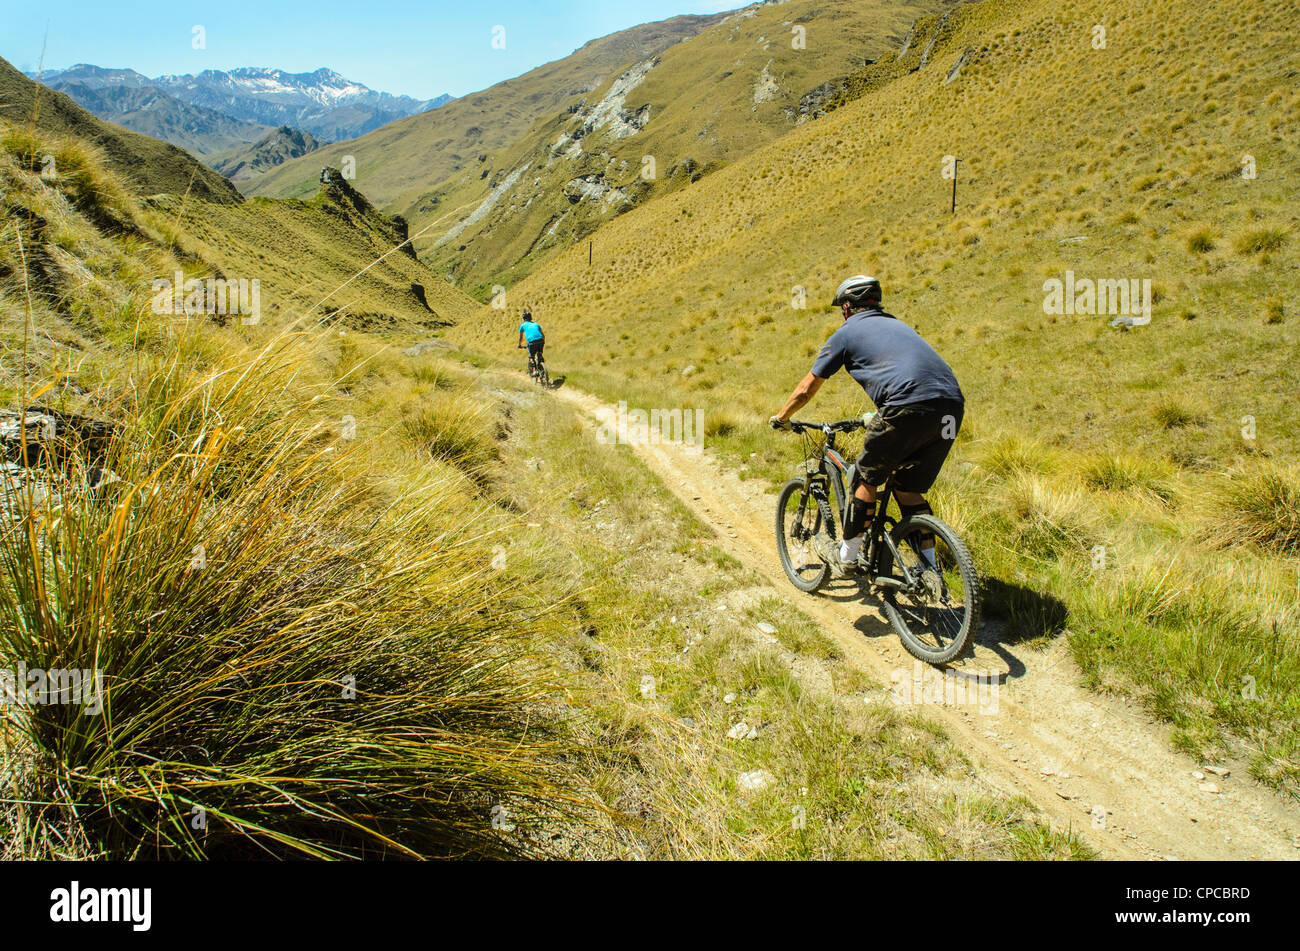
[[920, 407]]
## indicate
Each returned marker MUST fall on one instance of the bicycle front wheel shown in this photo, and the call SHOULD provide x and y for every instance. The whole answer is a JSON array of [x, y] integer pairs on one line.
[[798, 522], [937, 617]]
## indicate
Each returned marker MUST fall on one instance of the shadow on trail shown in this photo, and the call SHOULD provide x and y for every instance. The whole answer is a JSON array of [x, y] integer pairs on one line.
[[1022, 613], [848, 591], [556, 382], [1012, 615]]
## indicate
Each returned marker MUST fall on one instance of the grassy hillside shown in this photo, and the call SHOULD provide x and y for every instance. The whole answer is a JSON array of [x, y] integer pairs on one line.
[[434, 145], [1171, 446], [332, 258], [657, 126], [146, 165]]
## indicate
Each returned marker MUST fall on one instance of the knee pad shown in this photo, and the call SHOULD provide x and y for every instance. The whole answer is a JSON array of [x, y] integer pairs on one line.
[[909, 510]]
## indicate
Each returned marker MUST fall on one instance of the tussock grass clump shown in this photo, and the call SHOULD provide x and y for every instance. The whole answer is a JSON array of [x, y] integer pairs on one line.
[[311, 670], [720, 423], [1048, 522], [1124, 473], [455, 430], [1172, 414], [1201, 241], [1257, 506], [73, 166], [1008, 455], [1260, 241]]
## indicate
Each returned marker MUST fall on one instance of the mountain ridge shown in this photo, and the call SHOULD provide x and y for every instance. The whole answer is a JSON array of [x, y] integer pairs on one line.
[[279, 145], [150, 111], [322, 102]]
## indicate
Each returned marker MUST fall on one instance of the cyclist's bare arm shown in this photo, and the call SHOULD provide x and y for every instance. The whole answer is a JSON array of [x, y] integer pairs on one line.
[[805, 391]]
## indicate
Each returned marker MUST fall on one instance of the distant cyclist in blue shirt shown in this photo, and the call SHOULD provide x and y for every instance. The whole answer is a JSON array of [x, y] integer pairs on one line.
[[532, 331]]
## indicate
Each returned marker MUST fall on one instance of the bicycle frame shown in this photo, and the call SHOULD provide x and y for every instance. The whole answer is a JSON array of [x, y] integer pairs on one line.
[[535, 363], [830, 465]]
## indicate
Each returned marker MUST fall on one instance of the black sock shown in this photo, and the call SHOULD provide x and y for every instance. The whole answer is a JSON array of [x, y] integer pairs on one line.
[[860, 512]]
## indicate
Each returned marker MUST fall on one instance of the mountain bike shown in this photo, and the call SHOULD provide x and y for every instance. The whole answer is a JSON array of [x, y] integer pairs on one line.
[[537, 368], [932, 602]]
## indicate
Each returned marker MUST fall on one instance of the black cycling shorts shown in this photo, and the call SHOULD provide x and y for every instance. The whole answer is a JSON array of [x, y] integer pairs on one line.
[[535, 348], [913, 441]]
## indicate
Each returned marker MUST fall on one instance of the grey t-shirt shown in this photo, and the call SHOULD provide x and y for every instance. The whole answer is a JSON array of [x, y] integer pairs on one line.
[[889, 359]]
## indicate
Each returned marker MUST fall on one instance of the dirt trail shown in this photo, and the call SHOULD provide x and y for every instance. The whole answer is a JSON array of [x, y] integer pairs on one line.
[[1072, 752]]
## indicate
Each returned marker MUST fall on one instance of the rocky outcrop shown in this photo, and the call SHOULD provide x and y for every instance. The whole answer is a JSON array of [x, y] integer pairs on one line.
[[49, 444], [767, 88], [593, 188], [955, 71], [812, 104], [338, 195], [609, 114]]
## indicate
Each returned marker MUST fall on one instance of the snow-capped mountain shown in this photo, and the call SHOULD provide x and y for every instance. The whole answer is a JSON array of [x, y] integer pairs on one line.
[[323, 103]]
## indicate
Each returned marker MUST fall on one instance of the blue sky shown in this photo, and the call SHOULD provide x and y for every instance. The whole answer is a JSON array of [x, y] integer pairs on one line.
[[398, 46]]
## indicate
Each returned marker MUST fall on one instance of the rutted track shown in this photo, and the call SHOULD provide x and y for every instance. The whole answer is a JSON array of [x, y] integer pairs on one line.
[[1072, 752]]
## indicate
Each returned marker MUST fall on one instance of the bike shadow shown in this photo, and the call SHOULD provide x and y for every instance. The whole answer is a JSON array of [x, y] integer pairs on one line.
[[1013, 614], [556, 382], [851, 591]]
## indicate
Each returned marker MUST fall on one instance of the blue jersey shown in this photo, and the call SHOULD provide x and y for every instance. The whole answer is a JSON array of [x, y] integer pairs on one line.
[[532, 331]]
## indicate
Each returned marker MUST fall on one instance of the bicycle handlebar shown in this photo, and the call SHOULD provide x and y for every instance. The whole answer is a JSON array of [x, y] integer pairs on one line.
[[844, 426]]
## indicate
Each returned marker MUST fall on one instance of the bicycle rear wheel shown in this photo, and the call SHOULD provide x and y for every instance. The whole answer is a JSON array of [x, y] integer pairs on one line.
[[938, 617], [798, 522]]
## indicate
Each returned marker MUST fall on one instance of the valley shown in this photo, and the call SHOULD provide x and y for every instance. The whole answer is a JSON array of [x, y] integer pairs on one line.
[[356, 589]]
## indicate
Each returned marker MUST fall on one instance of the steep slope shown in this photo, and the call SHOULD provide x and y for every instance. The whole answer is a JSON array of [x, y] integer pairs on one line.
[[330, 258], [150, 111], [148, 165], [1044, 185], [430, 147], [1129, 484], [659, 125], [248, 161]]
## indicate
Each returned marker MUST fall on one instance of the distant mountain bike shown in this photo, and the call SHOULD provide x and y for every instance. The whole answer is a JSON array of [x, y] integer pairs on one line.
[[934, 610], [537, 369]]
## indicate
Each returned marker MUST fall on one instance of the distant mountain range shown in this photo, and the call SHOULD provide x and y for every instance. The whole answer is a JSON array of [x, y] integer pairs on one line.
[[150, 111], [215, 110]]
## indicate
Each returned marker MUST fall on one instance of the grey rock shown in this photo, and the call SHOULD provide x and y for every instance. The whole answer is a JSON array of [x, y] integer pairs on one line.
[[755, 780]]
